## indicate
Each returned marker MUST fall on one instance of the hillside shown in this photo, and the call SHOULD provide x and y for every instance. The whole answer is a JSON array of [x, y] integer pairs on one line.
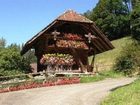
[[109, 57]]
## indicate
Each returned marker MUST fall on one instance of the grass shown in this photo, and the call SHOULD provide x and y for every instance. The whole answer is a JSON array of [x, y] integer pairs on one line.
[[128, 95], [109, 57], [101, 76], [111, 74]]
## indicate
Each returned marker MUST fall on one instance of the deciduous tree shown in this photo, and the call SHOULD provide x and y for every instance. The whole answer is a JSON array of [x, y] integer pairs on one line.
[[11, 62], [112, 16], [135, 20]]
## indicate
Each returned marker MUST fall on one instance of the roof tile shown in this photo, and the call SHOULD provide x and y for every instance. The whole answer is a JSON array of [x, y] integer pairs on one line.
[[70, 15]]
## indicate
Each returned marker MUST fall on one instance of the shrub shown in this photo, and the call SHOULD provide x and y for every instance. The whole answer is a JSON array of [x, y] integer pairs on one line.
[[12, 63], [124, 64], [128, 61]]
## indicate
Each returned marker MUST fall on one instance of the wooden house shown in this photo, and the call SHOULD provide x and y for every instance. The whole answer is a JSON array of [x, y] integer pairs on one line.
[[68, 42]]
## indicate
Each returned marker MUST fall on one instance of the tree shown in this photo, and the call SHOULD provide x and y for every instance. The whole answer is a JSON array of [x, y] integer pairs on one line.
[[135, 20], [11, 62], [88, 13], [112, 16], [135, 3], [14, 46], [128, 5], [2, 42]]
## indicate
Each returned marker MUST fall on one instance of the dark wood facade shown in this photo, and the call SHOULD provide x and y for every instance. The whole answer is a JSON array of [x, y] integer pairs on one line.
[[46, 42]]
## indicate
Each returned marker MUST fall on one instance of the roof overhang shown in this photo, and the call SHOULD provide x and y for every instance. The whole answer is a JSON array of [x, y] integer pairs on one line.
[[102, 43]]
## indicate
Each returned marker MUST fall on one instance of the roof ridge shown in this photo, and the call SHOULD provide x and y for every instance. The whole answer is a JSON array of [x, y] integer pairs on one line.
[[71, 15]]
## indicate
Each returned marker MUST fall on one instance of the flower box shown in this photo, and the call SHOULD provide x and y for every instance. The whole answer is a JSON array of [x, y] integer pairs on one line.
[[59, 81], [71, 44], [72, 36], [59, 59]]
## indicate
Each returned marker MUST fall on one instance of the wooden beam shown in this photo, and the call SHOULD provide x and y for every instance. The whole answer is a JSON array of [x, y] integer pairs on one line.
[[105, 45], [96, 45], [103, 37], [92, 62], [94, 29], [94, 48], [99, 44], [78, 59]]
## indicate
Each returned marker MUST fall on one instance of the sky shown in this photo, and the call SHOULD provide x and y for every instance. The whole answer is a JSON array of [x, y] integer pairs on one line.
[[20, 20]]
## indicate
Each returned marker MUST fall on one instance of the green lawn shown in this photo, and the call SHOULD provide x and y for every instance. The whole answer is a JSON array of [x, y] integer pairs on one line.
[[109, 57], [128, 95], [101, 76], [105, 61]]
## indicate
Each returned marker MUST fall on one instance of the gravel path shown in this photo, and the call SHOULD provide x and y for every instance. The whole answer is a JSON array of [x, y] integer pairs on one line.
[[77, 94]]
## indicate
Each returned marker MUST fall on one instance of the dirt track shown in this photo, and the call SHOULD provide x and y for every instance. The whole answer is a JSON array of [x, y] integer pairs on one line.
[[78, 94]]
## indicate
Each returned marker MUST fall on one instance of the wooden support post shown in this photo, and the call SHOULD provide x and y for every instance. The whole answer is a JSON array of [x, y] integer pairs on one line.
[[92, 62], [81, 65], [87, 63], [77, 58]]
